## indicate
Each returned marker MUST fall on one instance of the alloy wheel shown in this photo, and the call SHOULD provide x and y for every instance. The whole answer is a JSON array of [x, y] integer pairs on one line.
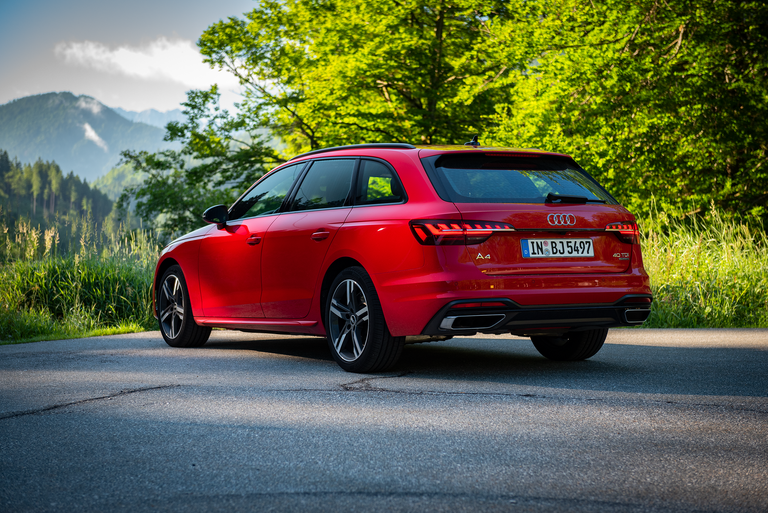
[[171, 306], [349, 320]]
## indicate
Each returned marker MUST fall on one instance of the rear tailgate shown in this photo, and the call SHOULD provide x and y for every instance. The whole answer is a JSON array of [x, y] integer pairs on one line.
[[549, 238], [553, 216]]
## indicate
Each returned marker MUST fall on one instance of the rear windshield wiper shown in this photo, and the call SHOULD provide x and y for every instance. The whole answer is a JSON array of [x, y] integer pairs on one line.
[[562, 198]]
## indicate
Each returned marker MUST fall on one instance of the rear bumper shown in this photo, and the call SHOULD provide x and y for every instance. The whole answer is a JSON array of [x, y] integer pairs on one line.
[[536, 320]]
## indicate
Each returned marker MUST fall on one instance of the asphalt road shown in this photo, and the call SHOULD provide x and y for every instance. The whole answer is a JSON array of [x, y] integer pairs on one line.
[[658, 420]]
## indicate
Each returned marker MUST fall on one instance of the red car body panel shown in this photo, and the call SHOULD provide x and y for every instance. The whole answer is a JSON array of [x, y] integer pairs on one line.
[[295, 248], [276, 283], [226, 266]]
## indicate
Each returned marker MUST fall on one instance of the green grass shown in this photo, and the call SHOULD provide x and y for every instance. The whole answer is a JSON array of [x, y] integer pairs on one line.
[[706, 272], [103, 288]]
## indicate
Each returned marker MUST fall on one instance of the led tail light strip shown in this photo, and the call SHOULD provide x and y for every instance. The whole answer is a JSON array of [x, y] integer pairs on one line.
[[434, 232], [627, 231]]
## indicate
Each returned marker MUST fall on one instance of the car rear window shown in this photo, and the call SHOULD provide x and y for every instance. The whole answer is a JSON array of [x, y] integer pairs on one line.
[[497, 179]]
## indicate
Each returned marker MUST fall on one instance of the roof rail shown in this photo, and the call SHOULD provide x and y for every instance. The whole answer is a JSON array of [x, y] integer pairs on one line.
[[394, 146]]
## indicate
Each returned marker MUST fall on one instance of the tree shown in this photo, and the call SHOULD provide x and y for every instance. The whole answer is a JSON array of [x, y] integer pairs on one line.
[[5, 172], [37, 181], [657, 99], [55, 177], [222, 154], [323, 74], [73, 194], [19, 178], [661, 100], [350, 71]]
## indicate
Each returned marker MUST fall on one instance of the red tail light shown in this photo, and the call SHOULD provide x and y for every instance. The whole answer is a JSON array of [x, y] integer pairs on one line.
[[626, 231], [433, 232]]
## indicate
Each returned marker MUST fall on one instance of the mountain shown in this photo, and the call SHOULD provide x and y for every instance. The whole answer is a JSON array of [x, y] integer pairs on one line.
[[151, 116], [80, 133]]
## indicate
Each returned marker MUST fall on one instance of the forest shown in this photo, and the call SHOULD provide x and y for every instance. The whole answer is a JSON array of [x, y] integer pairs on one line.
[[40, 191]]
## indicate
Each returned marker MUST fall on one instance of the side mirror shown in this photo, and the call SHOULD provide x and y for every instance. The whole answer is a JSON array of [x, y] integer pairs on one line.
[[216, 215]]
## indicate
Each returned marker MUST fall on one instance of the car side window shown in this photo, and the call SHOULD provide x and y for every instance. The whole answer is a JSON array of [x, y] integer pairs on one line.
[[377, 184], [268, 194], [326, 185]]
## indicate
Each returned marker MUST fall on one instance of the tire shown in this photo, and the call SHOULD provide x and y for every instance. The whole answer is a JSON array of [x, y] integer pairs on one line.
[[357, 332], [578, 345], [177, 325]]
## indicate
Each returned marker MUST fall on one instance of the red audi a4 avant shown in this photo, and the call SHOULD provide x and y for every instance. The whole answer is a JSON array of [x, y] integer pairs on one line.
[[378, 245]]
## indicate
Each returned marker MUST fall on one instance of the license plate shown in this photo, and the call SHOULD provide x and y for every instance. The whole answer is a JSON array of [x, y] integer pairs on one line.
[[557, 248]]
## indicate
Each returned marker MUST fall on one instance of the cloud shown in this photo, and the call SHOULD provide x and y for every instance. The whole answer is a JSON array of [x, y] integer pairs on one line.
[[161, 60], [91, 135], [91, 105]]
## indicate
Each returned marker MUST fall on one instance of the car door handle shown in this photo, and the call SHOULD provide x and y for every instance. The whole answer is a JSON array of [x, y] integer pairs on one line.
[[253, 240], [320, 235]]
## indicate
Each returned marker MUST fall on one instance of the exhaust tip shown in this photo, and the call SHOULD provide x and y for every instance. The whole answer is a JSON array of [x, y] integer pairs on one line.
[[637, 315], [471, 322]]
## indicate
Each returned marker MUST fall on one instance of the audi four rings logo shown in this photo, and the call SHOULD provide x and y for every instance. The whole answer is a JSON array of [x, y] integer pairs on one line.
[[561, 219]]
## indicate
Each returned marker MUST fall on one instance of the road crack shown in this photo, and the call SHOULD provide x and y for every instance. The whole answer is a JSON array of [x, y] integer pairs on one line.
[[364, 385], [82, 401]]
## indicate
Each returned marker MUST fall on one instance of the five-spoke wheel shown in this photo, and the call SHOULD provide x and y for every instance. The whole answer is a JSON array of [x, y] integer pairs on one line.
[[357, 333], [171, 306], [348, 322], [177, 325]]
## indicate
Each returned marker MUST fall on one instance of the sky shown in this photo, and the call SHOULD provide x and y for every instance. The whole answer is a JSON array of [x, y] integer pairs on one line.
[[136, 55]]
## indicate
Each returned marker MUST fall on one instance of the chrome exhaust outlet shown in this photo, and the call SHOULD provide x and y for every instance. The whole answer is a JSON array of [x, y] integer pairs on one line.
[[637, 315], [471, 322]]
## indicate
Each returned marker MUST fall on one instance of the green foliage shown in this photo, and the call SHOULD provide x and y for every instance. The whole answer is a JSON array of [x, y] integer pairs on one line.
[[347, 71], [222, 154], [103, 285], [656, 99], [89, 293], [318, 75], [706, 273]]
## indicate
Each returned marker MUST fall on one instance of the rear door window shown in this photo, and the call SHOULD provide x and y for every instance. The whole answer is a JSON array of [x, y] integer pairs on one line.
[[496, 179], [326, 185]]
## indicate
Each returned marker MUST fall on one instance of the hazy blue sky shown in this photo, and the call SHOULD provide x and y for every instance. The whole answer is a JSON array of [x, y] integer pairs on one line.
[[136, 54]]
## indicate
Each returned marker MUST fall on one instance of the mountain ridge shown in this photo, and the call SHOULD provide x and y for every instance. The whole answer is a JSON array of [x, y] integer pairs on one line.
[[151, 116], [78, 132]]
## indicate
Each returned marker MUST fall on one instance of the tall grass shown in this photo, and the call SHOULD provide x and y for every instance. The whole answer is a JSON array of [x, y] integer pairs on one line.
[[708, 272], [99, 282], [74, 278]]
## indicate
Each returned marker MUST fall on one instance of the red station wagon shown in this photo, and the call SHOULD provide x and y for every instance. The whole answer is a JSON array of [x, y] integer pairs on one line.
[[378, 245]]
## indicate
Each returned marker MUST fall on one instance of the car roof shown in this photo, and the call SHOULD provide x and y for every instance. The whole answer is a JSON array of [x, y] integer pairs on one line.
[[427, 150]]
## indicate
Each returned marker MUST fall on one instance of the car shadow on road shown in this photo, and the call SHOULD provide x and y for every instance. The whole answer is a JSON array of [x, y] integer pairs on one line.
[[312, 348], [718, 371], [628, 368]]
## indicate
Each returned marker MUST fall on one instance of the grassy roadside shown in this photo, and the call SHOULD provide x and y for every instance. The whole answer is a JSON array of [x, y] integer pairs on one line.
[[705, 273], [102, 287]]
